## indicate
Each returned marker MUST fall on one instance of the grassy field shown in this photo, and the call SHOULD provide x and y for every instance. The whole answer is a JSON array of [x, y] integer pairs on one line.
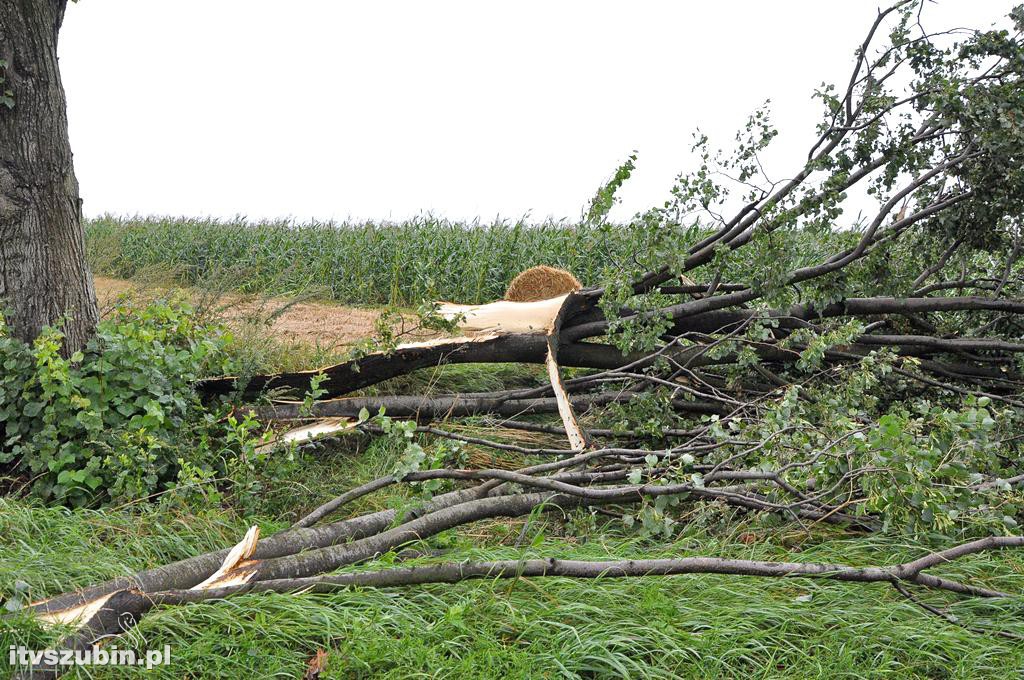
[[401, 263], [362, 263]]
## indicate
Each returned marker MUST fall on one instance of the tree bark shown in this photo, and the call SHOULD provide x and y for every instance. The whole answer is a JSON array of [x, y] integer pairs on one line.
[[44, 278], [380, 366]]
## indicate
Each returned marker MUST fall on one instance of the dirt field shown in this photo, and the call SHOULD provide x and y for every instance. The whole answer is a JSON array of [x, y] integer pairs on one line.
[[310, 322]]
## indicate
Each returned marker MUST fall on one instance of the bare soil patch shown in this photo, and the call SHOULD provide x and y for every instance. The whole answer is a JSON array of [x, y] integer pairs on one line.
[[321, 323]]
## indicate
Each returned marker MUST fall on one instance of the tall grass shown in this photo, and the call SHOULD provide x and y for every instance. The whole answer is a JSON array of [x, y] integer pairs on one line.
[[397, 263], [698, 626]]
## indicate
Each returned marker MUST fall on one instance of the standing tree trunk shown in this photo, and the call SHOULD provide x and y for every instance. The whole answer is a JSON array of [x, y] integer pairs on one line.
[[44, 278]]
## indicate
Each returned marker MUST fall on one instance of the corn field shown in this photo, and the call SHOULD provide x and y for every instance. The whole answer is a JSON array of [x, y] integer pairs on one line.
[[394, 263]]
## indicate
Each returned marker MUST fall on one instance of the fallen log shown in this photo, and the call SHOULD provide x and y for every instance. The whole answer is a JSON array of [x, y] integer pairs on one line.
[[910, 572], [375, 368], [439, 407], [512, 345]]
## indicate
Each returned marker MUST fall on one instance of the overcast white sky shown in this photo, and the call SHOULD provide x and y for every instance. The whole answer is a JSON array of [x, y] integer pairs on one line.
[[316, 109]]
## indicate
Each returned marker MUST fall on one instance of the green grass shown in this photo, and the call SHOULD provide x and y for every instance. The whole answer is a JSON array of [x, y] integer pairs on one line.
[[687, 626], [691, 626], [360, 263]]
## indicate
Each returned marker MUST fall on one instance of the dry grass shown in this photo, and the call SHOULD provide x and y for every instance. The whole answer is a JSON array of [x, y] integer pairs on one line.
[[541, 283]]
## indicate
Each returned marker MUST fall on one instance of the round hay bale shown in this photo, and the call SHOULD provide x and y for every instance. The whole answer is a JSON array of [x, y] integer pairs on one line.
[[541, 283]]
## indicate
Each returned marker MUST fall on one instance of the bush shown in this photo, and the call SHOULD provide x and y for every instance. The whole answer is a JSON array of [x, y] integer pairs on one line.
[[117, 420]]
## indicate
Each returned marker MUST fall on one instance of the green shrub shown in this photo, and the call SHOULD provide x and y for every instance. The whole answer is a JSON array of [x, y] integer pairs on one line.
[[117, 420]]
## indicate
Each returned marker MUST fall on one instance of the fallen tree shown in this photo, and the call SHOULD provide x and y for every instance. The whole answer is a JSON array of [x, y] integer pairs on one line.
[[759, 354]]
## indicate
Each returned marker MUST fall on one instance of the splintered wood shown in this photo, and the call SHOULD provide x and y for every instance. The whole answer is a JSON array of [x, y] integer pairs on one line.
[[542, 316], [480, 323]]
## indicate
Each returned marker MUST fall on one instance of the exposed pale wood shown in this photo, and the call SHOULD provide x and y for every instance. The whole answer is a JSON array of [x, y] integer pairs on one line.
[[505, 316], [238, 567], [72, 616], [577, 438], [324, 427]]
